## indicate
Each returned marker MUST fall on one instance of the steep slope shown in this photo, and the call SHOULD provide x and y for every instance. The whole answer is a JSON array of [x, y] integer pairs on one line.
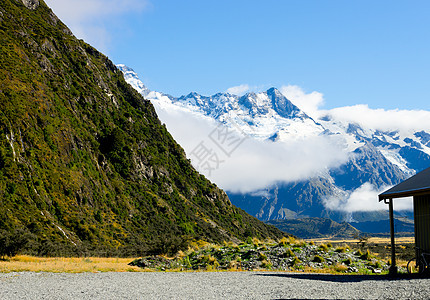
[[85, 164]]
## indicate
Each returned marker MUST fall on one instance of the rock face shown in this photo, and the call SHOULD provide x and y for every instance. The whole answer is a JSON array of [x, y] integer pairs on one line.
[[31, 4], [86, 167]]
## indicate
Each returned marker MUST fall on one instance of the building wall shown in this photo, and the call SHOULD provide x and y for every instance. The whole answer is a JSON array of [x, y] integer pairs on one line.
[[422, 222]]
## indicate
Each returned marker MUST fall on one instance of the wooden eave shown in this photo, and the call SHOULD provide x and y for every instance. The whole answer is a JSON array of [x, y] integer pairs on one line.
[[403, 194]]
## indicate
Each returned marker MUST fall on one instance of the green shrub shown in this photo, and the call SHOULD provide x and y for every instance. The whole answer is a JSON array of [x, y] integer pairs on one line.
[[11, 243], [366, 255], [347, 261], [376, 264], [186, 262], [318, 259], [266, 264], [284, 242], [340, 249], [261, 256], [288, 253], [323, 247], [296, 261], [296, 249]]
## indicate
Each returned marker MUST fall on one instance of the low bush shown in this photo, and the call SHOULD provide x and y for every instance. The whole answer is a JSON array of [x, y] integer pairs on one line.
[[342, 249], [340, 268], [366, 256], [347, 261], [284, 242], [266, 264], [261, 256], [318, 259], [376, 264], [296, 261], [288, 253], [323, 247]]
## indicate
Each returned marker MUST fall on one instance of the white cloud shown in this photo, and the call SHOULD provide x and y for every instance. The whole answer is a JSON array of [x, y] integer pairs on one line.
[[254, 164], [381, 119], [239, 90], [376, 119], [87, 18], [309, 103], [258, 164], [363, 198]]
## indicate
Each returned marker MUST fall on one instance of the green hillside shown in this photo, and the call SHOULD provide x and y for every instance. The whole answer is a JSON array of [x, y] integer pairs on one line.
[[86, 167]]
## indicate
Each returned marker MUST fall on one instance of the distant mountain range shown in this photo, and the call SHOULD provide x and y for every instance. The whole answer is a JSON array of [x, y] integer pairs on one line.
[[376, 159]]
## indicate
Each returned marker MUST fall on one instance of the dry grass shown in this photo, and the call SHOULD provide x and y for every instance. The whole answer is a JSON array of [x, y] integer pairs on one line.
[[405, 240], [69, 265]]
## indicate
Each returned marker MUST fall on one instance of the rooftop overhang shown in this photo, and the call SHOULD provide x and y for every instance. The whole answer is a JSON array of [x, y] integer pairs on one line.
[[417, 185], [403, 194]]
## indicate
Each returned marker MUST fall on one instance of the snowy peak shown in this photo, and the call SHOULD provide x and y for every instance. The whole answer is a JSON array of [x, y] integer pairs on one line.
[[269, 115], [284, 107], [270, 102], [266, 114], [133, 79]]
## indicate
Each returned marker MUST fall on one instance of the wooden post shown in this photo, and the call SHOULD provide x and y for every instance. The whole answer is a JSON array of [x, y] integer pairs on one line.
[[393, 267]]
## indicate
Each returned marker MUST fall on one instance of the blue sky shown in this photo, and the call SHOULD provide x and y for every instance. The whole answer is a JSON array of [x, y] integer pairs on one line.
[[353, 52]]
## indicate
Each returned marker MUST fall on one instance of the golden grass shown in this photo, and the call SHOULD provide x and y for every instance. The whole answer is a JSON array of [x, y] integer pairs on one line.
[[67, 264], [405, 240]]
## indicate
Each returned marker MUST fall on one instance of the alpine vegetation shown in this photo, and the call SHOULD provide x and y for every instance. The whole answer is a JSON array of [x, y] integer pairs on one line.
[[86, 167]]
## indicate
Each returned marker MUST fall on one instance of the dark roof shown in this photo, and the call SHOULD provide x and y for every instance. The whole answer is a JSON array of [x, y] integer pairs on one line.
[[416, 185]]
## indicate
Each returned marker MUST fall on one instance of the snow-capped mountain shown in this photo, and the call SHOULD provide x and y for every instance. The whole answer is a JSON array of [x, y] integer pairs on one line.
[[266, 115], [375, 158]]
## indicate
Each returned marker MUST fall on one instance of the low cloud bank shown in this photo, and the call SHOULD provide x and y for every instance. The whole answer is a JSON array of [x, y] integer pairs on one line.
[[239, 163], [381, 119], [362, 114], [363, 199]]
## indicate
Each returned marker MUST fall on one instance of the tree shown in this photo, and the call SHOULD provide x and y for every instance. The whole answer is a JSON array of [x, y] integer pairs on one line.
[[11, 243]]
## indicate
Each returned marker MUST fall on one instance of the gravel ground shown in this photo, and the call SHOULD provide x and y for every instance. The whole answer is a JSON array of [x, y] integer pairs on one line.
[[206, 285]]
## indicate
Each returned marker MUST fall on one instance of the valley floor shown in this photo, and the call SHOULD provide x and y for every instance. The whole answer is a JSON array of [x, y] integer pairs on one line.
[[208, 285]]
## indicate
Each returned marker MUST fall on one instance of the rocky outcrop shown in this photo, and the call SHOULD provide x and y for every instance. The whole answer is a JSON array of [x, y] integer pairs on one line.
[[31, 4]]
